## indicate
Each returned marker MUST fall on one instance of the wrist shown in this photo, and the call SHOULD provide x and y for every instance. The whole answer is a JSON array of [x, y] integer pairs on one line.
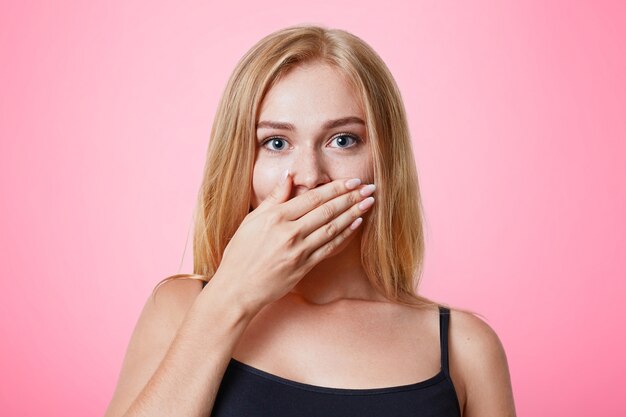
[[223, 293]]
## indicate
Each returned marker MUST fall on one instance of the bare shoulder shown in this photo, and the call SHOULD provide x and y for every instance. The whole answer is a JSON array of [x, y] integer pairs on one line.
[[472, 336], [155, 329], [165, 308], [173, 299], [479, 367]]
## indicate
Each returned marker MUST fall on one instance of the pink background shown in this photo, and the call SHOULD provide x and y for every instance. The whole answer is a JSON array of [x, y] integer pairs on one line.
[[517, 111]]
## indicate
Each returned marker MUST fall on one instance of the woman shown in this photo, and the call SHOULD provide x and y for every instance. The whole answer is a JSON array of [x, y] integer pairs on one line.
[[303, 299]]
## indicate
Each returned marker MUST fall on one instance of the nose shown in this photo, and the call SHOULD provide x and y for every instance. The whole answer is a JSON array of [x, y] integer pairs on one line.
[[309, 170]]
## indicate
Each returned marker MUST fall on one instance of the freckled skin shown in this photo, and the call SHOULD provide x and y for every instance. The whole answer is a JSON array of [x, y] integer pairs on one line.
[[307, 97]]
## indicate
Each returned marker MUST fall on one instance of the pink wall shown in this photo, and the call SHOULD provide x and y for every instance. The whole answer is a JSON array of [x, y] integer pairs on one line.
[[517, 111]]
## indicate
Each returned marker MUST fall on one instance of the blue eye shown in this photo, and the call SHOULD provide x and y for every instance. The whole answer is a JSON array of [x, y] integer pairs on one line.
[[355, 139], [275, 141], [278, 144]]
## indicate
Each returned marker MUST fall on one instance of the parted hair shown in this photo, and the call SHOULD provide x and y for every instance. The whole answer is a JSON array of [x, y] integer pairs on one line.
[[392, 239]]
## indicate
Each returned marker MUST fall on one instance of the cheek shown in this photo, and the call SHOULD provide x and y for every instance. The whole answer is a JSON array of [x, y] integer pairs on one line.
[[264, 178], [361, 167], [367, 172]]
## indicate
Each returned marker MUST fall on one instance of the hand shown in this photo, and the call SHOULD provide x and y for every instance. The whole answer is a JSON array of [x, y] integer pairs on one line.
[[280, 241]]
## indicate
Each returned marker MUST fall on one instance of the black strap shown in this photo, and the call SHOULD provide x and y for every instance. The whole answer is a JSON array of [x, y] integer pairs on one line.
[[444, 321]]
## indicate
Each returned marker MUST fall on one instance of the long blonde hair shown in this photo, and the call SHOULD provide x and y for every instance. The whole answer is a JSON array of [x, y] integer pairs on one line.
[[392, 245]]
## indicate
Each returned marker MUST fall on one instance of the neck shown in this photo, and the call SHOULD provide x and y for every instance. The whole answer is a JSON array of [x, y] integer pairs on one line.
[[338, 277]]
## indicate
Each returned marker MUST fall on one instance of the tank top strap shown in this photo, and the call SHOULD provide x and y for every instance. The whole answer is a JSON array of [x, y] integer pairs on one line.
[[444, 324]]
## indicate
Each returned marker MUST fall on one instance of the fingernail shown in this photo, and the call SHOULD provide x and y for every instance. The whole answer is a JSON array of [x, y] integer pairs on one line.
[[367, 190], [353, 183], [356, 223], [284, 175], [367, 203]]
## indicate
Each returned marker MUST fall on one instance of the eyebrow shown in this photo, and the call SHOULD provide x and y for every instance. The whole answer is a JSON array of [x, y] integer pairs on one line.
[[330, 124]]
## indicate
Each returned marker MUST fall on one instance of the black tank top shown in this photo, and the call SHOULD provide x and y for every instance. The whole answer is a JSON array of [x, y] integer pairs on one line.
[[248, 391]]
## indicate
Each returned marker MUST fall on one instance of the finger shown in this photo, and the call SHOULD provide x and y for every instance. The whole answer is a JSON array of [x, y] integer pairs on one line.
[[304, 203], [280, 193], [329, 247], [322, 215], [327, 232]]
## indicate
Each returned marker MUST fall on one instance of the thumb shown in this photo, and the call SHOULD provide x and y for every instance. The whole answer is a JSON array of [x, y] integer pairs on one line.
[[281, 191]]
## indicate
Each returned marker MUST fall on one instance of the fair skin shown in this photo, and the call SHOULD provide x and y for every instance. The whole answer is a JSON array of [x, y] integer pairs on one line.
[[307, 98], [293, 300], [358, 320]]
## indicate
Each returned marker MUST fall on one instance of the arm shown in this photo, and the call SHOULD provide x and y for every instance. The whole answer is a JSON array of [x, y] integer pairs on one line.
[[479, 361], [179, 351], [176, 367]]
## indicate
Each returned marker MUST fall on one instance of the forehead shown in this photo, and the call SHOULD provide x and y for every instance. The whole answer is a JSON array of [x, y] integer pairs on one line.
[[311, 93]]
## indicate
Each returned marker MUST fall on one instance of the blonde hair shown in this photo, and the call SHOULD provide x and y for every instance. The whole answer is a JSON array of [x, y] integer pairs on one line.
[[392, 245]]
